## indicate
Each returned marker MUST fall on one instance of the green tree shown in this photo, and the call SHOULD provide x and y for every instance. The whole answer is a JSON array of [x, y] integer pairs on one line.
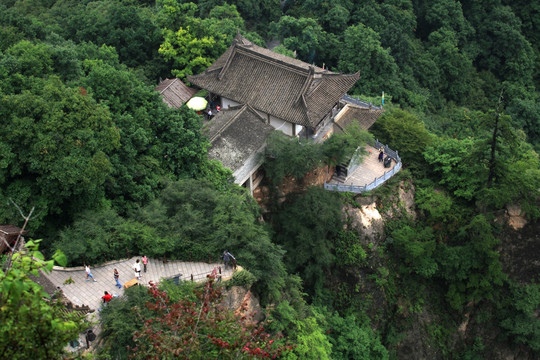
[[455, 165], [306, 38], [339, 147], [119, 321], [286, 156], [130, 28], [517, 314], [33, 324], [362, 50], [199, 219], [155, 141], [55, 145], [502, 48], [353, 338], [404, 132], [416, 247], [470, 264], [193, 43], [306, 227], [446, 14], [454, 66], [311, 342], [526, 115], [102, 235]]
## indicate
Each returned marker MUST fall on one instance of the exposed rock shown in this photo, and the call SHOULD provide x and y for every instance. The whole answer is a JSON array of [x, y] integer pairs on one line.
[[366, 220], [416, 343], [403, 201], [242, 301], [495, 345], [316, 177], [406, 198], [516, 217], [290, 185], [520, 251]]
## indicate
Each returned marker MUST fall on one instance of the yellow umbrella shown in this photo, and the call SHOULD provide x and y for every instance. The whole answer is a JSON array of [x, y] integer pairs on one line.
[[197, 103]]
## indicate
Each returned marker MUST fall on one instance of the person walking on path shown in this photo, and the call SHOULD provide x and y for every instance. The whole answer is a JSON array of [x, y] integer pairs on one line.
[[381, 155], [145, 262], [228, 258], [116, 277], [137, 268], [89, 273]]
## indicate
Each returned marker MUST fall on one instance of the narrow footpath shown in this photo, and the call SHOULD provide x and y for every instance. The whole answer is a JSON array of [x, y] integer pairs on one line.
[[81, 292]]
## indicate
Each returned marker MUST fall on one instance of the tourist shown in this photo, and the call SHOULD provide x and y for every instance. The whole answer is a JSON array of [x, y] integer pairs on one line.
[[106, 298], [117, 277], [228, 258], [89, 273], [145, 262], [137, 268]]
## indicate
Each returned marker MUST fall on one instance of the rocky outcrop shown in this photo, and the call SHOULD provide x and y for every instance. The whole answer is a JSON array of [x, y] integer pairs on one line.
[[516, 217], [242, 301], [365, 220], [402, 200], [370, 213], [290, 185], [519, 251]]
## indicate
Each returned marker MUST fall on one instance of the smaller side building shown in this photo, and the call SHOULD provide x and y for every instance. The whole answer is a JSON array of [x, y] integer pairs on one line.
[[174, 92], [238, 138], [8, 236]]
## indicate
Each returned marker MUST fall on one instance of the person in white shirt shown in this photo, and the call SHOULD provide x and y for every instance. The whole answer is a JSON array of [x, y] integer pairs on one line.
[[137, 268]]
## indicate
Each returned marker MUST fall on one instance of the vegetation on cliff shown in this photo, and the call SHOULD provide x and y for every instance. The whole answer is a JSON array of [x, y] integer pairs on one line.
[[110, 168]]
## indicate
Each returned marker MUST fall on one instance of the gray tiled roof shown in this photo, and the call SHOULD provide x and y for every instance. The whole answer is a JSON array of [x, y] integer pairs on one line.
[[364, 117], [274, 84], [235, 135], [174, 92]]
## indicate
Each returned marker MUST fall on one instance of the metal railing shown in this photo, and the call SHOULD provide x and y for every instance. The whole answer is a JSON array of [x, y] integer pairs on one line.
[[377, 181], [357, 101]]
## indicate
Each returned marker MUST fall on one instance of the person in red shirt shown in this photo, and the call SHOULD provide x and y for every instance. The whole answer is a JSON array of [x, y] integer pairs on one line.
[[107, 297], [145, 262]]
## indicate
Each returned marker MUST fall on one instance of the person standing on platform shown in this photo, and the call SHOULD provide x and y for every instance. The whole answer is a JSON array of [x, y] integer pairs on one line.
[[137, 268], [145, 262]]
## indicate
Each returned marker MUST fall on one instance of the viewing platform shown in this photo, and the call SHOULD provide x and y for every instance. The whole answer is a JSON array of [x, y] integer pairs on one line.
[[368, 174]]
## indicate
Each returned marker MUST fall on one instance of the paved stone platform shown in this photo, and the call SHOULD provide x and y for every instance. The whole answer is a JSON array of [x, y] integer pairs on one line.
[[82, 292], [367, 171]]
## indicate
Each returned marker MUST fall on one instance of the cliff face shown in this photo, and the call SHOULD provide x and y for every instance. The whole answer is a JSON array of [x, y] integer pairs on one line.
[[417, 326], [290, 185], [520, 252], [242, 301], [520, 259]]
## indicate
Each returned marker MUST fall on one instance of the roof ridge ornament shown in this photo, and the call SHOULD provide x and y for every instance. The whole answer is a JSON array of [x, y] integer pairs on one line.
[[229, 60], [309, 77]]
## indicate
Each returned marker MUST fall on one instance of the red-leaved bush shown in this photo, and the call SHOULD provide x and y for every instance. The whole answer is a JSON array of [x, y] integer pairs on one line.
[[203, 329]]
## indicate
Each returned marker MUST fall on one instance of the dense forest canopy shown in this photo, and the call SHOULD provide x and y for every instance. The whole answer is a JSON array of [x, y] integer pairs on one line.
[[109, 167]]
